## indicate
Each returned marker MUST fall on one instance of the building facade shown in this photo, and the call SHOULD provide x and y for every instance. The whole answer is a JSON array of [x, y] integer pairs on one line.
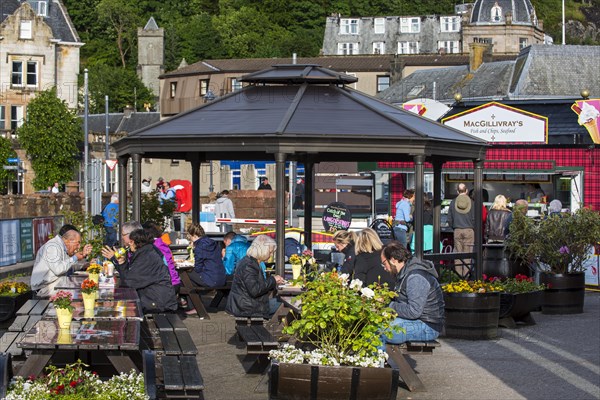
[[151, 55]]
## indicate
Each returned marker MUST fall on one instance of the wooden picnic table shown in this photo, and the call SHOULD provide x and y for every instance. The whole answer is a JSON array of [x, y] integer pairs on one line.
[[104, 309], [189, 288]]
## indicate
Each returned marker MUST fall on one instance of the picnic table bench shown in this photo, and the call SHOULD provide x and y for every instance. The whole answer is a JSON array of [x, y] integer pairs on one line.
[[259, 341], [169, 359], [397, 359], [26, 316], [194, 292]]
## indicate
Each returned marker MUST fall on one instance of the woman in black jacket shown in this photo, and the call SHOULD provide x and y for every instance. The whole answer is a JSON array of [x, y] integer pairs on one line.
[[250, 289], [368, 266], [344, 243], [146, 272]]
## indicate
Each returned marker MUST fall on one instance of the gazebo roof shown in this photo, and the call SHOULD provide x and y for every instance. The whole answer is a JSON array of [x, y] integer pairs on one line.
[[300, 110]]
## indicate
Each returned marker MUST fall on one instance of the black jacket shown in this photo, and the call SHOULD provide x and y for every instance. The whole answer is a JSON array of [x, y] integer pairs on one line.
[[349, 259], [249, 296], [496, 225], [147, 273], [368, 269]]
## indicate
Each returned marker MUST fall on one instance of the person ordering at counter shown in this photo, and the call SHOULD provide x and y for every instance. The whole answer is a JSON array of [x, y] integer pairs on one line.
[[496, 226]]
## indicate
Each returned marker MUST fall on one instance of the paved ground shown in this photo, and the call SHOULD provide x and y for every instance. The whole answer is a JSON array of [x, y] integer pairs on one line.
[[558, 358]]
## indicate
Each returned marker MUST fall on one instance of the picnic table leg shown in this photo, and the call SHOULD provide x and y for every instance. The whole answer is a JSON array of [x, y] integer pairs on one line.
[[194, 295], [121, 361], [35, 363], [407, 374]]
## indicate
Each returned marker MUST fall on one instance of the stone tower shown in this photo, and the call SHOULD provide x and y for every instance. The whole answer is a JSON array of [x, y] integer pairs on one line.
[[151, 55]]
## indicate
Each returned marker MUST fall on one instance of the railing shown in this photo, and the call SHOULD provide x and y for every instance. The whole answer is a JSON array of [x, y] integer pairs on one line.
[[461, 264]]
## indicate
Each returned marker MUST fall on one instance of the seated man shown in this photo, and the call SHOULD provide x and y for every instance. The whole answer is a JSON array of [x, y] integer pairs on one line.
[[236, 247], [420, 301], [55, 259]]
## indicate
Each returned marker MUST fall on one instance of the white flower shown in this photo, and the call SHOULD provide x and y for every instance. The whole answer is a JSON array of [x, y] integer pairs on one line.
[[356, 284], [344, 278], [367, 292]]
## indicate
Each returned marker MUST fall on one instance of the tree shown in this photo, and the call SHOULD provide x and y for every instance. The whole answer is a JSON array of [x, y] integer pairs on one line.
[[50, 135], [6, 152], [123, 18]]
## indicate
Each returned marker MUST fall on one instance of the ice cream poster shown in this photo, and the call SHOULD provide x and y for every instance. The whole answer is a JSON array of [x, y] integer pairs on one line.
[[589, 116]]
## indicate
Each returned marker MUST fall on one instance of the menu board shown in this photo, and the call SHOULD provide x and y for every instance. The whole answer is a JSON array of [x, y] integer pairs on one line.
[[336, 217], [26, 239]]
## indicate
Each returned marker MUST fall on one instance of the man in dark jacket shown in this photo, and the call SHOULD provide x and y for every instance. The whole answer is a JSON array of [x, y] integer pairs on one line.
[[420, 301]]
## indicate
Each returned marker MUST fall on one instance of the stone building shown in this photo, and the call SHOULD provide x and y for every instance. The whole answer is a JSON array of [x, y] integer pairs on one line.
[[151, 55], [510, 25]]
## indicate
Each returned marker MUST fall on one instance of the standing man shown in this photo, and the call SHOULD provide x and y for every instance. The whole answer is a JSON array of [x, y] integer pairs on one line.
[[264, 184], [56, 258], [420, 301], [167, 193], [224, 208], [299, 195], [461, 218], [111, 220], [403, 216], [55, 188]]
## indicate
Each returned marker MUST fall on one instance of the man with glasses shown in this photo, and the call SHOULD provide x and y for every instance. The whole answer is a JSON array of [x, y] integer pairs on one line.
[[420, 301], [56, 258]]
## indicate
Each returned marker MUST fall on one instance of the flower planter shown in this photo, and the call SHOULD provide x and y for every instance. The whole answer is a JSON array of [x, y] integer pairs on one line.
[[303, 381], [64, 317], [565, 293], [516, 308], [10, 304], [497, 262], [472, 315]]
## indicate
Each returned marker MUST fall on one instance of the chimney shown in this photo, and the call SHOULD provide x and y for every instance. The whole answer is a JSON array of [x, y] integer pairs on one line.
[[127, 111], [479, 53]]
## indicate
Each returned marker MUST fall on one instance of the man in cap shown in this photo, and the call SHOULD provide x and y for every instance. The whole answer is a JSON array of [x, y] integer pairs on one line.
[[264, 184], [461, 218]]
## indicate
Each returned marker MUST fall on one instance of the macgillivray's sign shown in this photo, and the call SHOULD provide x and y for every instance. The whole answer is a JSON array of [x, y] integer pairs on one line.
[[499, 123]]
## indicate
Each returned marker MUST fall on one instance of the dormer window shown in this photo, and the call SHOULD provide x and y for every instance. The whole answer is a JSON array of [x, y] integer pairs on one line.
[[496, 13], [42, 8], [26, 30]]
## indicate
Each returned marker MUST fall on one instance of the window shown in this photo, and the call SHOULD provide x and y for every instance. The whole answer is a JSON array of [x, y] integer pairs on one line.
[[42, 8], [16, 117], [450, 24], [383, 82], [408, 47], [19, 76], [2, 117], [378, 47], [379, 25], [235, 85], [416, 90], [410, 25], [523, 42], [449, 46], [496, 13], [173, 90], [483, 40], [346, 49], [25, 32], [203, 87], [348, 26], [174, 163]]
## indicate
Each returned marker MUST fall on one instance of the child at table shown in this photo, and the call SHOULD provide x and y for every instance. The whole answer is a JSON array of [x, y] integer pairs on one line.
[[146, 273]]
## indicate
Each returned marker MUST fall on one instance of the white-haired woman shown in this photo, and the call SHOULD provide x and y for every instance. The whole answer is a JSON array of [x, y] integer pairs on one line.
[[497, 221], [250, 290]]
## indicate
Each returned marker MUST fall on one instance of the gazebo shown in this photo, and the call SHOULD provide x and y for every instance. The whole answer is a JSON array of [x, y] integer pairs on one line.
[[308, 114]]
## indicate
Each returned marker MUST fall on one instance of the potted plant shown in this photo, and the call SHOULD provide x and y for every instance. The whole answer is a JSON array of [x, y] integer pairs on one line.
[[337, 336], [519, 297], [89, 292], [94, 271], [558, 247], [75, 382], [64, 309], [472, 309], [303, 263], [13, 294]]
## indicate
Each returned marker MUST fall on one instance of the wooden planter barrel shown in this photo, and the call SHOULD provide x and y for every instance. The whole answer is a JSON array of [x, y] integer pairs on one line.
[[10, 304], [472, 315], [565, 293], [303, 381], [517, 307]]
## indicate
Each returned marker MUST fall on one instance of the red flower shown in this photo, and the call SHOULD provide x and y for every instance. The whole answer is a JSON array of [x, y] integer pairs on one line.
[[73, 384]]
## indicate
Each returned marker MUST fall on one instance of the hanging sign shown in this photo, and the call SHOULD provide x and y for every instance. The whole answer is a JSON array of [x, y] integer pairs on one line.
[[336, 217], [499, 123], [26, 239], [588, 115]]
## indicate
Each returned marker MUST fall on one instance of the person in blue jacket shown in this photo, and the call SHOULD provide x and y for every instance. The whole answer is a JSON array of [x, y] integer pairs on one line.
[[208, 264], [236, 247], [111, 220]]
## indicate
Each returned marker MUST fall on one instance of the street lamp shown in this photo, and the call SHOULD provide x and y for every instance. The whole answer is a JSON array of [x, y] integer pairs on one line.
[[208, 97]]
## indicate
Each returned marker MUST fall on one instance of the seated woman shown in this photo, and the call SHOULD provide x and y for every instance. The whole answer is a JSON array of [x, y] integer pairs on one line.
[[249, 296], [145, 272], [420, 301], [344, 243], [367, 266], [208, 270]]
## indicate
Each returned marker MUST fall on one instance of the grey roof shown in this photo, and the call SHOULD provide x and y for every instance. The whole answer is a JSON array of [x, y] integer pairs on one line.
[[119, 123], [522, 12], [540, 71], [58, 19], [326, 121]]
